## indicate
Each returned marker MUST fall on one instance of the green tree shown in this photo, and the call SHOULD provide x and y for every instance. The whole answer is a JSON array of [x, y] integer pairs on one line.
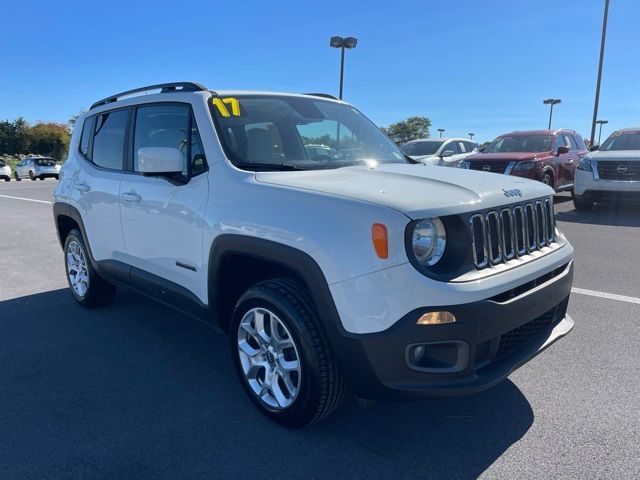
[[409, 129], [50, 139]]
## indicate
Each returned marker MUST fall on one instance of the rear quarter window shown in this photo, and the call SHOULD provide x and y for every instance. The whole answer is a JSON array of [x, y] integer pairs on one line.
[[87, 131]]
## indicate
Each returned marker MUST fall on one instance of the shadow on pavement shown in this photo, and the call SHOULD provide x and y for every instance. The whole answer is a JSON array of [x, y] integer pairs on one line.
[[604, 214], [135, 390]]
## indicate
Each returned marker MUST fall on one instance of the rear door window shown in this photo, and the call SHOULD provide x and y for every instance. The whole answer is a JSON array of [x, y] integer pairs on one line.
[[108, 140]]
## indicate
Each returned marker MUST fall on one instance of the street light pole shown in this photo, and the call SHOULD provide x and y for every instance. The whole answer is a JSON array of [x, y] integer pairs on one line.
[[342, 43], [341, 70], [601, 122], [602, 41], [552, 102], [441, 130], [471, 135]]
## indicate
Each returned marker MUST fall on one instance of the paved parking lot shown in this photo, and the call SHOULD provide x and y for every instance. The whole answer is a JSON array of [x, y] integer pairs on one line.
[[138, 391]]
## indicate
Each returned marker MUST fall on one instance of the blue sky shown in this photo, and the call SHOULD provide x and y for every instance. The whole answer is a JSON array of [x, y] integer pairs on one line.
[[470, 66]]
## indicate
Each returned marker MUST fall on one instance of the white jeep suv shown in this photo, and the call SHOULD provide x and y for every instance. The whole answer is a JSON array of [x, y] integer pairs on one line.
[[360, 268], [611, 173]]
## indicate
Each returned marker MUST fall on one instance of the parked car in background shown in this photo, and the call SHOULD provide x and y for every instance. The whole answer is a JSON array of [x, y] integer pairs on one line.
[[37, 167], [549, 156], [318, 151], [448, 152], [5, 171], [610, 173]]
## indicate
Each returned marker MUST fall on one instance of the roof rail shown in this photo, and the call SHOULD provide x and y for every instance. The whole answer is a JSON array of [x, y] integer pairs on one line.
[[323, 95], [163, 87]]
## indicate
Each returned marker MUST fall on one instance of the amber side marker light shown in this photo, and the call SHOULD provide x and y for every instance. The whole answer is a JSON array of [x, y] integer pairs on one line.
[[380, 240], [436, 318]]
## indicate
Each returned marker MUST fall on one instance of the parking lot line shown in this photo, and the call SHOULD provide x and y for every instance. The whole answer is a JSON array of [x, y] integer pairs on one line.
[[25, 188], [26, 199], [611, 296]]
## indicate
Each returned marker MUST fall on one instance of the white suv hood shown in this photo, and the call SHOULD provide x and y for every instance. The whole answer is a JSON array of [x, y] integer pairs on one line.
[[418, 191]]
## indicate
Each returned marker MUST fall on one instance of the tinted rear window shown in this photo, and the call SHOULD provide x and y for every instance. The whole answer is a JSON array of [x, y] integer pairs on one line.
[[45, 162]]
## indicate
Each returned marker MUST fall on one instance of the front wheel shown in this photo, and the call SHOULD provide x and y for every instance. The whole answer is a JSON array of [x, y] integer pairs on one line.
[[16, 176], [547, 179], [88, 288], [282, 356], [7, 179], [581, 203], [32, 176]]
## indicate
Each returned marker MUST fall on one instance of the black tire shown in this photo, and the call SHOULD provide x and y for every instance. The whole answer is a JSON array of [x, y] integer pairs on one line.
[[15, 174], [7, 179], [581, 203], [42, 178], [99, 292], [321, 385], [547, 179], [57, 177], [32, 176]]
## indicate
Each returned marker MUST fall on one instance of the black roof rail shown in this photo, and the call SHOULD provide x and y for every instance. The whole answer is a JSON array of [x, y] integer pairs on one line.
[[324, 95], [163, 87]]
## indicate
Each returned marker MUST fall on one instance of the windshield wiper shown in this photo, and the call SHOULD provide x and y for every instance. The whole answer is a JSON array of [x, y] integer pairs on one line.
[[268, 166]]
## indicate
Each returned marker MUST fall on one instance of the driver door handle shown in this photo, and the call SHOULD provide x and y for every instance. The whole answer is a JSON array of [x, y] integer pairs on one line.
[[82, 187], [130, 197]]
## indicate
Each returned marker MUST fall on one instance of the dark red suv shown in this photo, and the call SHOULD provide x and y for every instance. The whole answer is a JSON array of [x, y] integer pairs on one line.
[[549, 156]]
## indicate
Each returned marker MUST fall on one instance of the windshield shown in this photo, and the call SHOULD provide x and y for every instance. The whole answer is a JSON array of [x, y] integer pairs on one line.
[[520, 143], [421, 148], [45, 162], [622, 141], [282, 132]]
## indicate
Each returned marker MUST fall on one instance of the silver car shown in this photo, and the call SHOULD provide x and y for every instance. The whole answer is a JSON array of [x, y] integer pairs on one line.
[[5, 171], [37, 167], [447, 152]]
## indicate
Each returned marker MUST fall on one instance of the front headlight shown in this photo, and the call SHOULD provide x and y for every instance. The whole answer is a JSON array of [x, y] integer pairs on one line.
[[585, 164], [524, 166], [428, 241]]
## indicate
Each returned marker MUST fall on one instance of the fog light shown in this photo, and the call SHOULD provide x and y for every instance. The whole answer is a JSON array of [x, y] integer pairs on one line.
[[436, 318]]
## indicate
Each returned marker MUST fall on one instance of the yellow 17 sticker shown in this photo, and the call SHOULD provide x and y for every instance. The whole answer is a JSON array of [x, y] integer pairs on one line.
[[221, 104]]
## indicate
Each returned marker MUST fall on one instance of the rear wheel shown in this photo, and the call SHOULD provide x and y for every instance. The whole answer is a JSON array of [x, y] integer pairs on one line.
[[32, 176], [88, 288], [282, 355], [7, 179], [42, 178]]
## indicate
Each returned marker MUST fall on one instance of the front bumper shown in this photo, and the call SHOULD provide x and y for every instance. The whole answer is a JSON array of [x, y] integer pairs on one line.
[[490, 339], [588, 187]]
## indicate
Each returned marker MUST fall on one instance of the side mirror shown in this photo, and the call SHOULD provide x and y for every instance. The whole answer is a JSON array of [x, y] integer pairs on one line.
[[563, 149], [593, 148], [447, 153], [159, 160], [481, 150]]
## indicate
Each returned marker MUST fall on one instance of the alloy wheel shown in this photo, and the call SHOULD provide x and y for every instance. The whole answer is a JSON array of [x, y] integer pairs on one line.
[[269, 358], [77, 269]]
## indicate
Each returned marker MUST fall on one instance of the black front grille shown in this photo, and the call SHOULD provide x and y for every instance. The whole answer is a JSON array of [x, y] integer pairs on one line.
[[481, 354], [619, 170], [493, 167], [500, 235], [511, 341]]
